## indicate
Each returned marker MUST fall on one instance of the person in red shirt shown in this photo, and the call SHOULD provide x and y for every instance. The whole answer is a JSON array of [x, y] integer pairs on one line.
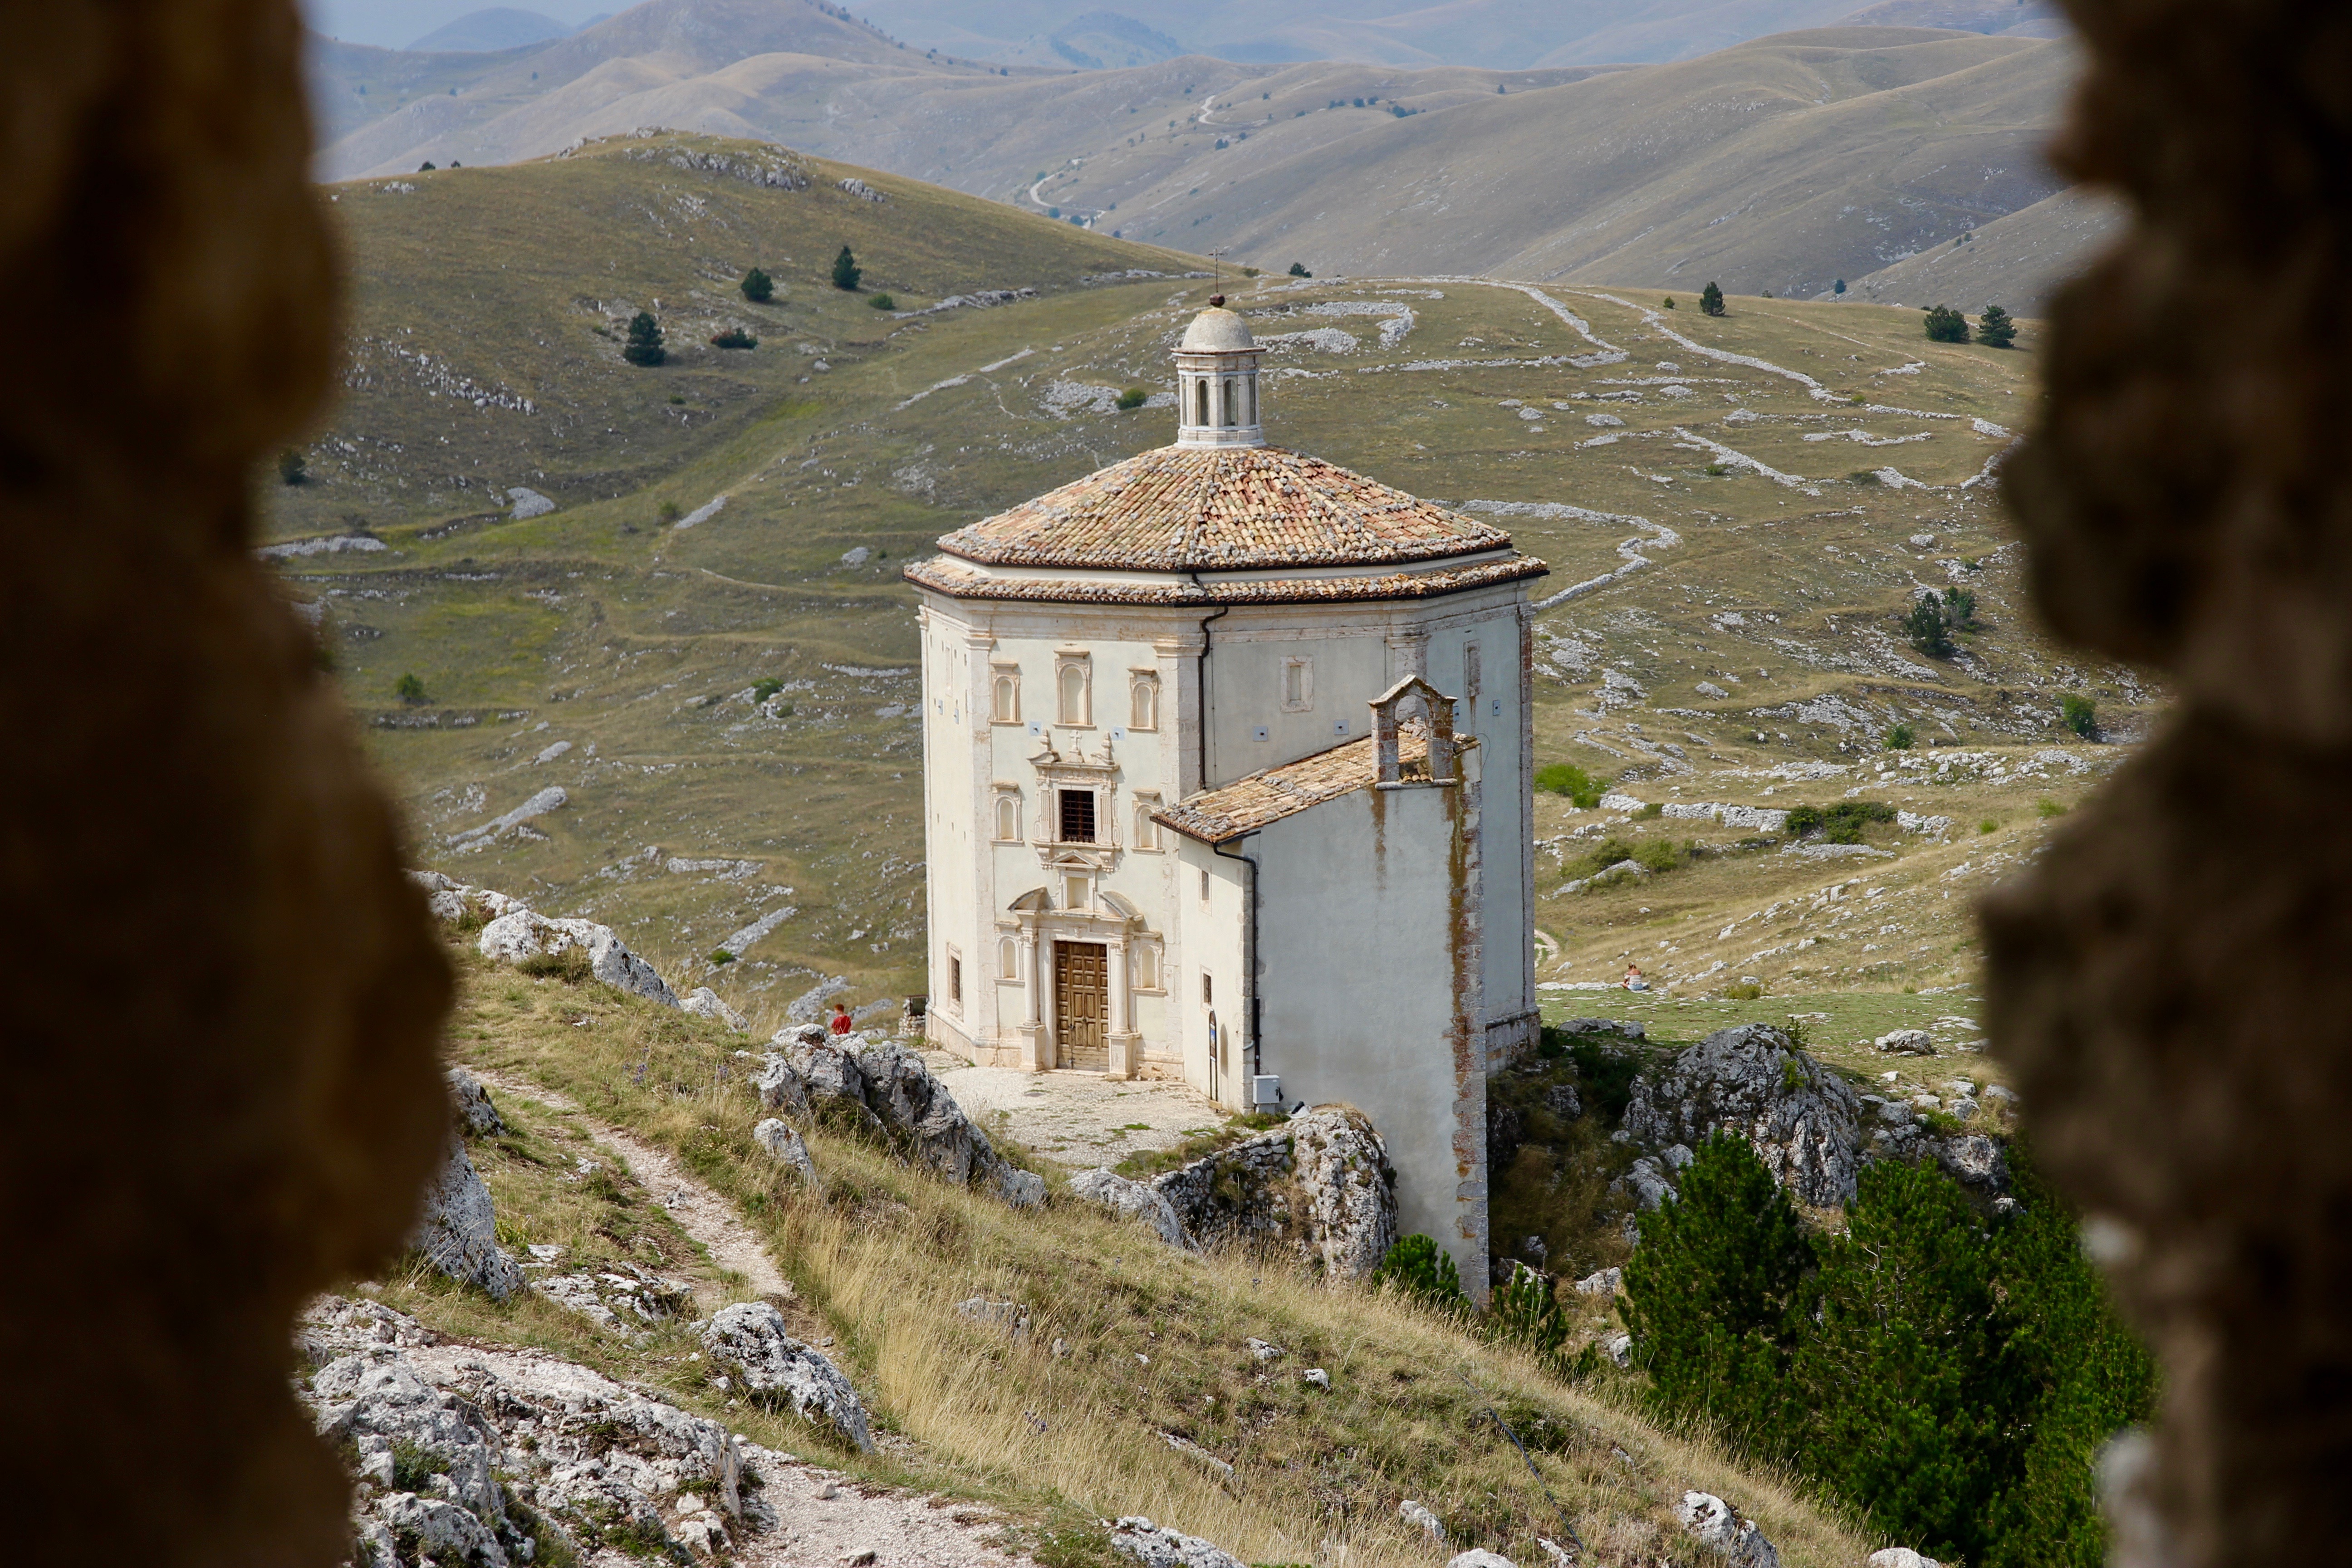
[[840, 1025]]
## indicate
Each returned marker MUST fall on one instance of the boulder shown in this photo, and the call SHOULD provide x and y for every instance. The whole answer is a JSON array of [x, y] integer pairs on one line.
[[1320, 1184], [1716, 1523], [780, 1087], [1010, 1316], [1906, 1043], [1901, 1557], [1973, 1160], [1607, 1284], [785, 1144], [1618, 1028], [1021, 1189], [748, 1338], [704, 1003], [1155, 1547], [475, 1115], [1479, 1557], [1108, 1189], [521, 935], [458, 1230], [1420, 1519], [1803, 1120]]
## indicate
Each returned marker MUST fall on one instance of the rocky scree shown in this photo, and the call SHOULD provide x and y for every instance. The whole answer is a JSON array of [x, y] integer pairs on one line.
[[519, 936]]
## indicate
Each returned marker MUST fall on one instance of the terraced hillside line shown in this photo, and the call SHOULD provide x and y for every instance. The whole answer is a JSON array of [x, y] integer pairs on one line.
[[702, 1214]]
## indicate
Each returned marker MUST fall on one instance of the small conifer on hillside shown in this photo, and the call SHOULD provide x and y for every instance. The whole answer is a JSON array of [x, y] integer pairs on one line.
[[758, 286], [1710, 301], [409, 690], [1946, 325], [1298, 269], [1670, 301], [1995, 330], [846, 272], [1927, 627], [1839, 287], [293, 469], [645, 344]]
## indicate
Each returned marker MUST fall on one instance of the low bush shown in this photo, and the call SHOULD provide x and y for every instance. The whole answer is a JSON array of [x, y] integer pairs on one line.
[[1744, 991], [1659, 855], [758, 286], [1927, 627], [883, 302], [734, 338], [1842, 823], [293, 469], [1651, 812], [409, 690], [1961, 608], [2046, 808], [1133, 397], [1988, 826], [1527, 1313], [2080, 715], [764, 690], [1900, 737], [1417, 1266], [1582, 790]]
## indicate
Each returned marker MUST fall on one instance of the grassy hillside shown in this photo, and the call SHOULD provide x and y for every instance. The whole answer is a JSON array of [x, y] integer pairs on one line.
[[2013, 261], [1129, 1343], [607, 649], [1777, 166]]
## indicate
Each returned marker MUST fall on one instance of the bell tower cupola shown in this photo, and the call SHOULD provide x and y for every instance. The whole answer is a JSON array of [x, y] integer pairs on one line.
[[1217, 382]]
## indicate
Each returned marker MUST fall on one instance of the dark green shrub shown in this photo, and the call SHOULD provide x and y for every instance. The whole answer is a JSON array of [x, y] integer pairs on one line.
[[734, 338], [1651, 812], [1582, 790], [1988, 826], [1995, 330], [2080, 715], [645, 344], [1745, 990], [1946, 325], [758, 286], [1133, 397], [1421, 1269], [1911, 1394], [1298, 269], [293, 469], [883, 302], [765, 689], [1841, 823], [1717, 1296], [1669, 302], [1926, 628], [1839, 287], [720, 955], [846, 272], [1960, 606], [409, 690], [1710, 301], [1528, 1312], [1900, 737], [1659, 855]]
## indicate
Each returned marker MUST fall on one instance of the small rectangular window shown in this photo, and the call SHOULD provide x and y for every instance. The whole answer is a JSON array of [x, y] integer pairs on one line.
[[1470, 670], [1077, 817], [1204, 884], [1208, 989], [955, 980], [1076, 895], [1298, 685]]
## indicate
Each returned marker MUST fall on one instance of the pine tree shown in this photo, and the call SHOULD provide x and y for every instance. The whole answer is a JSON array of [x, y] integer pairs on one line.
[[846, 272], [1946, 325], [1909, 1387], [1840, 288], [1710, 301], [1716, 1294], [645, 344], [758, 286], [1298, 269], [1425, 1271], [1927, 627], [1995, 330]]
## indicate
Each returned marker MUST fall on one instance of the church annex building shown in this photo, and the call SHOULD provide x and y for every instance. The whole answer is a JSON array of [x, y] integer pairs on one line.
[[1226, 764]]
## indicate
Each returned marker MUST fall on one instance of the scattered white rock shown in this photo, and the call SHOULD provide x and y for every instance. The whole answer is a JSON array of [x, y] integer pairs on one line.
[[1108, 1189], [1316, 1377], [1010, 1316], [1619, 1348], [859, 556], [458, 1230], [1478, 1557], [552, 798], [1263, 1349], [1413, 1513], [748, 1338], [705, 1002], [528, 504], [476, 1114], [1607, 1284], [1716, 1523], [520, 935], [1901, 1557], [786, 1145], [1155, 1547], [1906, 1043]]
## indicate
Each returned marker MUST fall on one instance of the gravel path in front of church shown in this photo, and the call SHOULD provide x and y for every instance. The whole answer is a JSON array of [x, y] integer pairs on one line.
[[1077, 1118]]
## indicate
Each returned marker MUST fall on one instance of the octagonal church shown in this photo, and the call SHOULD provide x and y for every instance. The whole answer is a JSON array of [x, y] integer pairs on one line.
[[1226, 768]]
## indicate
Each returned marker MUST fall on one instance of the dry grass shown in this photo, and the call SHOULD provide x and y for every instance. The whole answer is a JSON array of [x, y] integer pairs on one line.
[[1151, 1342]]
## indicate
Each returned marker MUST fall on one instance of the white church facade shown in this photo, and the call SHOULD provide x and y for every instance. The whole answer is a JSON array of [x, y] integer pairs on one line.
[[1227, 773]]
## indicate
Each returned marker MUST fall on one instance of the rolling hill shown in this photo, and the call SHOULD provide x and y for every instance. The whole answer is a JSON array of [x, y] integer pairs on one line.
[[1777, 165], [2013, 262], [704, 651]]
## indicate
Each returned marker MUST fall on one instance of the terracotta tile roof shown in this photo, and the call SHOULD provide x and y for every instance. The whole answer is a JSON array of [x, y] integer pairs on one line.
[[1247, 804], [1179, 508], [959, 581]]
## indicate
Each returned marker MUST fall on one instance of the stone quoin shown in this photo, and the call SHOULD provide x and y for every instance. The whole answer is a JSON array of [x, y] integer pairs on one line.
[[1227, 766]]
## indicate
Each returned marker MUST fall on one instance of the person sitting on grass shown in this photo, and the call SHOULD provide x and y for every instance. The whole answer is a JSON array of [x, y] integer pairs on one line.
[[1633, 981]]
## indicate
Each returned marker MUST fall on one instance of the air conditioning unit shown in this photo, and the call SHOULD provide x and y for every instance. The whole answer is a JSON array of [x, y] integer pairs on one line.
[[1265, 1091]]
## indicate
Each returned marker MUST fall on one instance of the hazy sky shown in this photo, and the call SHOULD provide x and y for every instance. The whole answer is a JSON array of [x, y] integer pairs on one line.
[[396, 24]]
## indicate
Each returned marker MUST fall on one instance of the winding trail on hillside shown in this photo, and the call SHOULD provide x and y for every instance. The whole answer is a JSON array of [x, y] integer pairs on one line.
[[701, 1213]]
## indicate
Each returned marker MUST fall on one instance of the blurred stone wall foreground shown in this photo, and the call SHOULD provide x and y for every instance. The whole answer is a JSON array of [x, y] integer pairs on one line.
[[218, 1028], [2173, 982]]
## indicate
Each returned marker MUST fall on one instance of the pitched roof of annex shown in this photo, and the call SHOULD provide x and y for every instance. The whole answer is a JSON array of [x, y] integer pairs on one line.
[[1264, 798], [1179, 508]]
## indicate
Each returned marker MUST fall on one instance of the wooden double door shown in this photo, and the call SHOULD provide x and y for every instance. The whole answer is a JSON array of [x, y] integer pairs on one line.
[[1082, 1006]]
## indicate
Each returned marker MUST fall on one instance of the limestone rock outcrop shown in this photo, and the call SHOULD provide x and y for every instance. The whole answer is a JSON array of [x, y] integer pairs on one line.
[[458, 1230], [492, 1457], [885, 1090], [705, 1002], [750, 1341], [1106, 1188], [1714, 1522], [1803, 1120], [522, 935], [1321, 1183], [778, 1139], [1153, 1546], [477, 1117]]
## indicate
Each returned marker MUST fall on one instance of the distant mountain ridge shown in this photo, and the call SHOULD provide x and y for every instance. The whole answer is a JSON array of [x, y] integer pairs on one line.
[[497, 27]]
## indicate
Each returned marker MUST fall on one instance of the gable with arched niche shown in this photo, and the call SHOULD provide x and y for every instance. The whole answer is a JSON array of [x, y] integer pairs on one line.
[[1077, 956]]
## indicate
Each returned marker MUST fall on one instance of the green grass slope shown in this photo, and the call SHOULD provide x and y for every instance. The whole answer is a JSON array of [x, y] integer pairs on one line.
[[2013, 262], [728, 705], [1134, 1389]]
